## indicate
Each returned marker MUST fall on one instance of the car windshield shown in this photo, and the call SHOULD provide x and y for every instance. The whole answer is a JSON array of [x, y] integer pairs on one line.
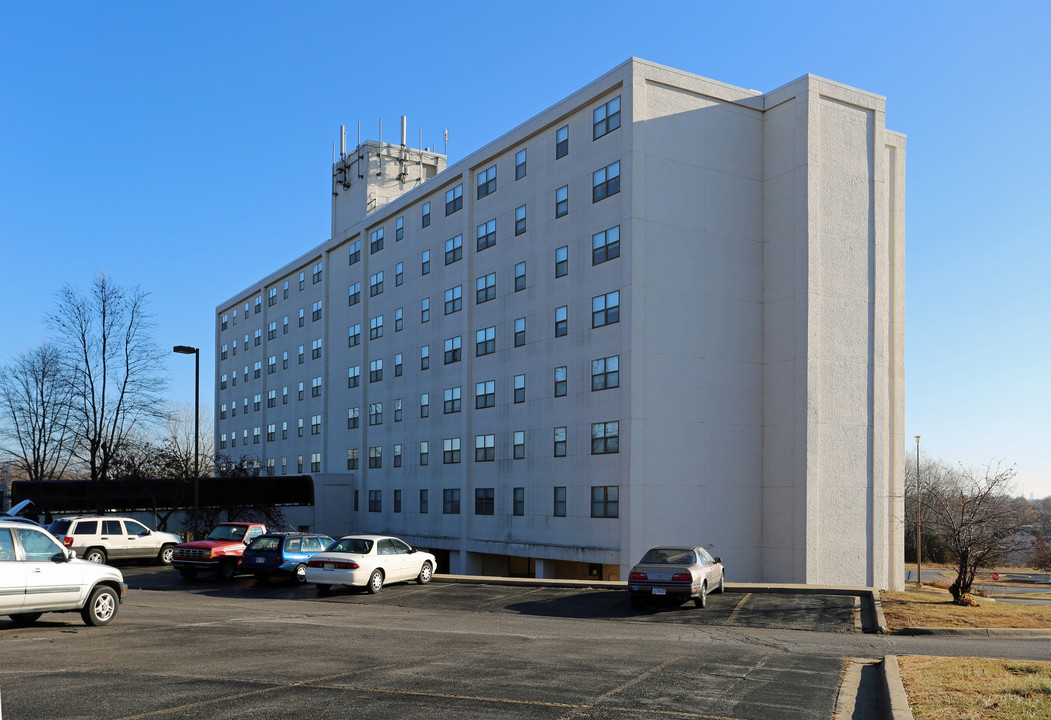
[[227, 532], [355, 546], [668, 556], [265, 543]]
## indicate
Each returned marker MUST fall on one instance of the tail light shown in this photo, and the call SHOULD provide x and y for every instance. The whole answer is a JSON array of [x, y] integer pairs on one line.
[[67, 541], [637, 576], [682, 577], [336, 564]]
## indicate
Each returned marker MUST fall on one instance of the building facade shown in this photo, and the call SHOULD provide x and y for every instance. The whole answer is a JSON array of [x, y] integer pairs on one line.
[[664, 310]]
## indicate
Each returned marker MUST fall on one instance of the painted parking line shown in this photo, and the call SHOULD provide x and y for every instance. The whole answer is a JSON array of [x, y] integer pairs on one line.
[[733, 615]]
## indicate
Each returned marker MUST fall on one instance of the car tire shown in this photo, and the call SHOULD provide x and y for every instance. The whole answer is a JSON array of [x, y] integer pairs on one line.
[[701, 600], [324, 589], [95, 555], [300, 573], [722, 584], [188, 573], [165, 555], [425, 574], [638, 602], [24, 619], [102, 606], [375, 582], [227, 569]]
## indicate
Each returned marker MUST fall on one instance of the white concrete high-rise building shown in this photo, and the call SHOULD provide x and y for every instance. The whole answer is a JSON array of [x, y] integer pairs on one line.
[[664, 310]]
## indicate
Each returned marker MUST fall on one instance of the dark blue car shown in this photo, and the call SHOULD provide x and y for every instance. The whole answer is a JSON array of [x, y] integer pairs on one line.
[[282, 554]]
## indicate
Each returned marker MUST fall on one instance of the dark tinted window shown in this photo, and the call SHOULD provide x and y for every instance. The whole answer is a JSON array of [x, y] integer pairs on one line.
[[86, 527], [59, 527], [112, 527]]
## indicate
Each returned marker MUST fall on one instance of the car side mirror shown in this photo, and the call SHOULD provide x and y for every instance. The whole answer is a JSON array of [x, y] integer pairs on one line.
[[718, 559]]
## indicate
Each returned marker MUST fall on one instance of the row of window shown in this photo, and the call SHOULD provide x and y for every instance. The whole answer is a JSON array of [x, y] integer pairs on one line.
[[605, 501]]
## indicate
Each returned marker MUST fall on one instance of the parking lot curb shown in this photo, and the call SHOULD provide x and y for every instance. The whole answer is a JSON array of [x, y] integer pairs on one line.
[[879, 623], [978, 632], [894, 701]]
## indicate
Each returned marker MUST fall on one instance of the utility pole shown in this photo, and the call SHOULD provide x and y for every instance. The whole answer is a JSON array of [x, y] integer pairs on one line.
[[919, 543]]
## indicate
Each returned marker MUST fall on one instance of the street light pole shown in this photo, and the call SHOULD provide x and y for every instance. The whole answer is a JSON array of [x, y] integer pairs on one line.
[[919, 544], [196, 352]]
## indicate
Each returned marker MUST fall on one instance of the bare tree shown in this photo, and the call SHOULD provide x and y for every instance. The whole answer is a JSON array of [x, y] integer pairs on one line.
[[975, 515], [35, 393], [116, 368], [178, 440]]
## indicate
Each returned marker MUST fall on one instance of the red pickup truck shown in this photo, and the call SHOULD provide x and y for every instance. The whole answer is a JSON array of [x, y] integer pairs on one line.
[[220, 552]]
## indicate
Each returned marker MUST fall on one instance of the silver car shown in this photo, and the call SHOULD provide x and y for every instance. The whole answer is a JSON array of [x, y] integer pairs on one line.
[[38, 575], [678, 573]]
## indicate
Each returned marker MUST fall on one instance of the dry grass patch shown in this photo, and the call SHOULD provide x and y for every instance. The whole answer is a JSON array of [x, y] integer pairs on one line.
[[976, 688], [933, 607]]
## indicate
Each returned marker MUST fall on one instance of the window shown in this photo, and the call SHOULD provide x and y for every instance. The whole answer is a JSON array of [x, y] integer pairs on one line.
[[398, 369], [257, 369], [561, 261], [258, 304], [485, 288], [285, 290], [605, 182], [354, 376], [316, 276], [399, 273], [605, 245], [425, 458], [302, 355], [485, 341], [258, 337], [484, 501], [271, 297], [425, 310], [562, 142], [355, 252], [453, 249], [271, 365], [222, 412], [561, 382], [354, 335], [452, 400], [376, 327], [561, 320], [376, 284], [452, 349], [426, 218], [271, 332], [485, 394], [284, 325], [484, 448], [284, 430], [520, 164], [375, 461], [315, 425], [451, 501], [399, 319], [453, 299], [486, 234], [518, 440], [352, 459], [520, 219], [397, 493], [520, 276], [606, 118], [284, 390], [520, 337], [222, 442], [315, 349], [315, 387], [518, 501], [560, 441], [451, 452], [425, 405], [271, 432], [605, 309], [375, 370], [399, 229], [315, 314], [454, 199], [397, 410], [315, 462], [225, 322], [375, 496], [256, 402], [353, 418], [560, 502], [605, 373], [605, 501], [519, 388], [375, 241], [271, 398], [354, 294], [425, 357], [375, 414], [486, 182], [561, 201], [605, 438], [300, 397], [299, 458]]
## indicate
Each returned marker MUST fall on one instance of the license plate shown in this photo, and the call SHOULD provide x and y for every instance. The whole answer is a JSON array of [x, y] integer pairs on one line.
[[660, 591], [260, 560], [330, 566]]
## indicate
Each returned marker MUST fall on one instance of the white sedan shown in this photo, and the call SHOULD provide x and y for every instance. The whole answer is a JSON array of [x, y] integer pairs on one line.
[[369, 561]]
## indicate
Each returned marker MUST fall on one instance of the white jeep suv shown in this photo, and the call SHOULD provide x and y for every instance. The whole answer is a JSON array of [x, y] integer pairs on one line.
[[38, 575], [102, 538]]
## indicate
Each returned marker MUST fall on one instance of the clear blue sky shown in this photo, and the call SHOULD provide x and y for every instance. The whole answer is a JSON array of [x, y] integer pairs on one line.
[[186, 148]]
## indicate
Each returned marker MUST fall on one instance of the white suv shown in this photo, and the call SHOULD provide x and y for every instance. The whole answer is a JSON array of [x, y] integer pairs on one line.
[[38, 575], [101, 538]]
